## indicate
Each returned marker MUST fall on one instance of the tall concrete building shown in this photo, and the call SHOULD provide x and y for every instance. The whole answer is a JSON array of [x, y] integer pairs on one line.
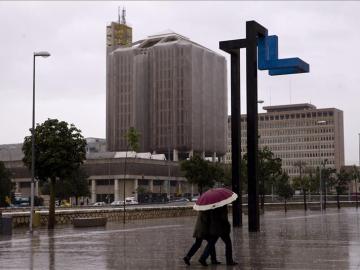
[[173, 91], [299, 132]]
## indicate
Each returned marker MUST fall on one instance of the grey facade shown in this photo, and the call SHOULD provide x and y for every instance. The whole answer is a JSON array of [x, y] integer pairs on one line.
[[299, 132], [173, 91]]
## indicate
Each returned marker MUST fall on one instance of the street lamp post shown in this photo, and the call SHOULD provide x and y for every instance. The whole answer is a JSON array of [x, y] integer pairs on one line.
[[36, 54], [321, 185], [357, 175], [262, 184]]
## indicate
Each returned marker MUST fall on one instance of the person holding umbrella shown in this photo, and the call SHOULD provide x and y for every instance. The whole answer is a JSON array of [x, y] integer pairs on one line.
[[217, 200], [201, 232]]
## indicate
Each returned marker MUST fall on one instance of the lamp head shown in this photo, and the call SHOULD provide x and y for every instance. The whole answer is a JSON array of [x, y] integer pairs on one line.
[[42, 54]]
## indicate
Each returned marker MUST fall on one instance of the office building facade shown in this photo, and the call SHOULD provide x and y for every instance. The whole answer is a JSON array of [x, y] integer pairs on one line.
[[299, 132], [173, 91]]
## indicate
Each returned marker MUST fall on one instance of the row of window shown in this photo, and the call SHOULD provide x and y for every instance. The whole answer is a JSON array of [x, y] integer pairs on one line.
[[287, 140], [299, 147], [288, 124], [287, 132], [309, 162], [292, 116]]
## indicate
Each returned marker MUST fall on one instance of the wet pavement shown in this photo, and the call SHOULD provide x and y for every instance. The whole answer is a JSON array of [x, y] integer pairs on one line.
[[292, 241]]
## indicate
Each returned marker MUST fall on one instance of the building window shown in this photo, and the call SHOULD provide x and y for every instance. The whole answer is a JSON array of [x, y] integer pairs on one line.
[[105, 182]]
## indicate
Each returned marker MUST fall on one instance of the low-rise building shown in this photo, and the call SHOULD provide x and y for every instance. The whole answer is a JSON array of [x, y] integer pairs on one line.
[[107, 174]]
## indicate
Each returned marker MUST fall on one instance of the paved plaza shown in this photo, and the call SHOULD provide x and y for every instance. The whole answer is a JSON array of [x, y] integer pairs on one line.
[[287, 241]]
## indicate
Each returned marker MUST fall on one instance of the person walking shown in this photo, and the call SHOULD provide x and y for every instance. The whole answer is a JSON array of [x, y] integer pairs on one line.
[[219, 228], [201, 232]]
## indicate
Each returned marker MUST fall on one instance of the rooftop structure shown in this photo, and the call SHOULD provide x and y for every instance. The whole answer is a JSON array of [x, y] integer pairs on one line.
[[118, 33]]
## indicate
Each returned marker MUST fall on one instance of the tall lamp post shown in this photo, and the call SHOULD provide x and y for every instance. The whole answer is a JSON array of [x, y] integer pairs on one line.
[[36, 54], [261, 182], [357, 175], [322, 122]]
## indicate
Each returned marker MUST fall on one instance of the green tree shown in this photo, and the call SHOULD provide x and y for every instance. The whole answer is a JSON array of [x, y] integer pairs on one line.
[[74, 185], [217, 171], [59, 151], [283, 188], [269, 170], [328, 180], [314, 179], [132, 137], [227, 178], [6, 186], [301, 182], [340, 182], [200, 172], [77, 183], [356, 177]]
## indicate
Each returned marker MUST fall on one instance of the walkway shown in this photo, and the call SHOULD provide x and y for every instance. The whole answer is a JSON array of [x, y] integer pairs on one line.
[[291, 241]]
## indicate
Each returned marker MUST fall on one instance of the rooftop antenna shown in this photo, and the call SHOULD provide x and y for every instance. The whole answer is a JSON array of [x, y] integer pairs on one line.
[[290, 89], [123, 20], [270, 96], [119, 14]]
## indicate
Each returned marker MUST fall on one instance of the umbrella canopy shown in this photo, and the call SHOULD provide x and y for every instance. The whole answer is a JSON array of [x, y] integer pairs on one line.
[[214, 198]]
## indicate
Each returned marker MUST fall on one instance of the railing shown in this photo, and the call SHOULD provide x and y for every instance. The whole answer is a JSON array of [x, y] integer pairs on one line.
[[309, 198]]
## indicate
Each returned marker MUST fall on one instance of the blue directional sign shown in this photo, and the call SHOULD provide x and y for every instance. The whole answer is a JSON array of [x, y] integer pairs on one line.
[[268, 58]]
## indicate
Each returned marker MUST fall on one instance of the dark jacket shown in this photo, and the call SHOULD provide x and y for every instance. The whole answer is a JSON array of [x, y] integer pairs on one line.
[[202, 225], [219, 223]]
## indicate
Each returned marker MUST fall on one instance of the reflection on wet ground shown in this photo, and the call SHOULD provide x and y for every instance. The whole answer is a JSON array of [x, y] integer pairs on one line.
[[292, 241]]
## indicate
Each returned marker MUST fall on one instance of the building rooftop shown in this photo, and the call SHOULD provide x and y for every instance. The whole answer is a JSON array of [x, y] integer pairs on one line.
[[161, 38], [289, 107]]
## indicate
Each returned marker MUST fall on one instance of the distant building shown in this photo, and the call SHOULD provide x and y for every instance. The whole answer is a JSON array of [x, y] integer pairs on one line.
[[173, 91], [298, 132], [95, 145], [106, 173]]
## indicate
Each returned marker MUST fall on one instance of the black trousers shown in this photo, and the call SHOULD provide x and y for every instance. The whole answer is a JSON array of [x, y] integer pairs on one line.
[[195, 247], [211, 246]]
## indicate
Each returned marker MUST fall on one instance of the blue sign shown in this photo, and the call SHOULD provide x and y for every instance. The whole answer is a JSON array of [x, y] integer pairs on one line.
[[268, 58]]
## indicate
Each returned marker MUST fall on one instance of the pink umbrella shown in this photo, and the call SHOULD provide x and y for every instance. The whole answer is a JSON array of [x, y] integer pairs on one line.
[[214, 198]]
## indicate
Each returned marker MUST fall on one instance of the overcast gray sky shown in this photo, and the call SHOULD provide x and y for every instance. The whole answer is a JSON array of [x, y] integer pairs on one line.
[[71, 83]]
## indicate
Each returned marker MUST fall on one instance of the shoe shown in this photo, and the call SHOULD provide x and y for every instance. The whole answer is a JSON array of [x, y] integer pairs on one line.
[[186, 260], [232, 263], [203, 262], [215, 262]]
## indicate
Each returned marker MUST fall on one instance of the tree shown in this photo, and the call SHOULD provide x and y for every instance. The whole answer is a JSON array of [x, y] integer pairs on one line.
[[79, 184], [6, 185], [217, 171], [132, 137], [341, 183], [75, 185], [328, 180], [356, 177], [283, 188], [301, 182], [59, 151], [201, 172], [314, 179], [227, 178], [269, 170]]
